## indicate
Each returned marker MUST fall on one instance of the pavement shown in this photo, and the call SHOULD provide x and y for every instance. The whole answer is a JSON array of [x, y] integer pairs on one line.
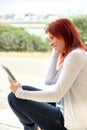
[[27, 71], [8, 120]]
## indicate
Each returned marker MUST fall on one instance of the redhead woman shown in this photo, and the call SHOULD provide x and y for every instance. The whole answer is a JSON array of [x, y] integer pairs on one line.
[[67, 72]]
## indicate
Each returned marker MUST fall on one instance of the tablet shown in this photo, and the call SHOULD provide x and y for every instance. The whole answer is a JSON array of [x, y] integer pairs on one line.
[[9, 73]]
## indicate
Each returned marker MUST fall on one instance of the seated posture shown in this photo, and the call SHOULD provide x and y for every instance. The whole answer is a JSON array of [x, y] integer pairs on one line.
[[67, 73]]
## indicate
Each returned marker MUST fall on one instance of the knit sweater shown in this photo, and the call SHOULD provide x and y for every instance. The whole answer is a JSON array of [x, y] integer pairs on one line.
[[70, 82]]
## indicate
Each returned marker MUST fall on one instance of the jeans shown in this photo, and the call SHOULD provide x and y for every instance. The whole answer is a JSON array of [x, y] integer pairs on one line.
[[33, 114]]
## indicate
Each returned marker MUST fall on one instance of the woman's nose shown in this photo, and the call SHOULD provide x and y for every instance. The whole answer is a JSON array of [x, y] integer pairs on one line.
[[51, 43]]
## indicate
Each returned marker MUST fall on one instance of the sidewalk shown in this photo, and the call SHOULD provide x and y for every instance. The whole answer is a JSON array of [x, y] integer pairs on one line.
[[9, 121]]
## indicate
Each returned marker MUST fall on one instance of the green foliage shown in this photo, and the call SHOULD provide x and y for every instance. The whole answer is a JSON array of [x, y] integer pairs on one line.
[[13, 39], [81, 24], [17, 39]]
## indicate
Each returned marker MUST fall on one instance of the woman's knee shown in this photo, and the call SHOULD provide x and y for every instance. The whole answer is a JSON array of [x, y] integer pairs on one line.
[[10, 97]]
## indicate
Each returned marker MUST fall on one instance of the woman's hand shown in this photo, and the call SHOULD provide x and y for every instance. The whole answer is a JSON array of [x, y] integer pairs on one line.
[[14, 86]]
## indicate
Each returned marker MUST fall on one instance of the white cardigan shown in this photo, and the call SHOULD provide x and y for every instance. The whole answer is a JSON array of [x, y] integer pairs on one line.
[[71, 83]]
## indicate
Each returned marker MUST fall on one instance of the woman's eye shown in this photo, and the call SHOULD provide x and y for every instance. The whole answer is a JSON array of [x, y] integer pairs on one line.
[[51, 38]]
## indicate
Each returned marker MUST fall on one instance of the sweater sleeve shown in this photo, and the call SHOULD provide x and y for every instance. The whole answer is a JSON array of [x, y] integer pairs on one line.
[[68, 75], [52, 72]]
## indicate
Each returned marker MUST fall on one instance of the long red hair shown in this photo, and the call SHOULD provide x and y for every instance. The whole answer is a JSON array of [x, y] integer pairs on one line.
[[64, 28]]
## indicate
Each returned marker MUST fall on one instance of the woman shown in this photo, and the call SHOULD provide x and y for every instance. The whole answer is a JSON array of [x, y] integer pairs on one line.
[[68, 72]]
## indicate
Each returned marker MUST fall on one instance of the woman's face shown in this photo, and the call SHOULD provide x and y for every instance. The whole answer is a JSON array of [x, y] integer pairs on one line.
[[57, 43]]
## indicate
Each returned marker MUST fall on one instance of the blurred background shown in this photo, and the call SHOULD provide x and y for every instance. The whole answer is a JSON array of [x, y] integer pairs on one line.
[[23, 22]]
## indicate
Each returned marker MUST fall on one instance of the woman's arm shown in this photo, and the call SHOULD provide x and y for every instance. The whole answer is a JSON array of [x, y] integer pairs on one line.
[[71, 68], [52, 72]]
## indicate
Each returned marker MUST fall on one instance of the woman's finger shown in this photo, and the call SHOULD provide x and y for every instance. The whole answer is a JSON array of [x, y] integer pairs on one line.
[[11, 80]]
